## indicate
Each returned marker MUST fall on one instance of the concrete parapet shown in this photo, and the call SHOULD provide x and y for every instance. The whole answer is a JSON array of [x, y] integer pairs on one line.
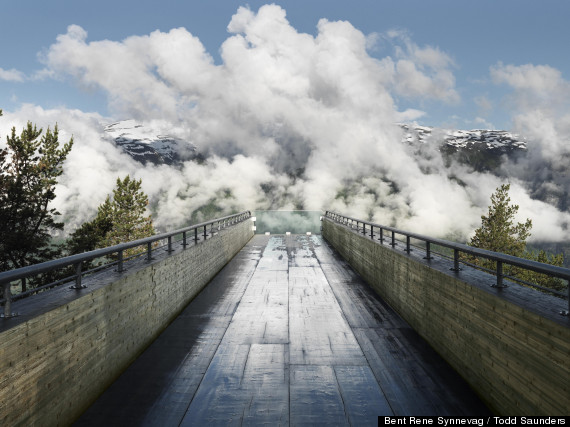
[[510, 345], [56, 359]]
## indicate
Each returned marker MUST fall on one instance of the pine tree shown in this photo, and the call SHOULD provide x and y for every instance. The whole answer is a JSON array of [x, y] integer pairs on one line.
[[29, 169], [542, 279], [119, 219], [499, 233], [90, 235], [128, 213]]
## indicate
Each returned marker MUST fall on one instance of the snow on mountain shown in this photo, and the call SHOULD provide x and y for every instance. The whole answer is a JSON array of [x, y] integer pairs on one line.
[[464, 139], [148, 146], [480, 148]]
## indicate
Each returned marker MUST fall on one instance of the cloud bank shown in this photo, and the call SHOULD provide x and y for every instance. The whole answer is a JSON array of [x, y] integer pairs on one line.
[[11, 75], [287, 121], [540, 101]]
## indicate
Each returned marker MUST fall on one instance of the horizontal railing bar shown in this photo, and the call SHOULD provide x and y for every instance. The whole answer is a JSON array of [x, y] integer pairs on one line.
[[538, 267], [492, 271], [12, 275]]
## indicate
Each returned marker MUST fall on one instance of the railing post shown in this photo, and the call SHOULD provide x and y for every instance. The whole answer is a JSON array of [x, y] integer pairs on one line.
[[428, 250], [196, 235], [184, 242], [456, 260], [500, 275], [169, 244], [149, 251], [205, 231], [371, 231], [567, 312], [407, 244], [364, 228], [78, 284], [8, 302], [393, 239], [120, 267], [381, 235]]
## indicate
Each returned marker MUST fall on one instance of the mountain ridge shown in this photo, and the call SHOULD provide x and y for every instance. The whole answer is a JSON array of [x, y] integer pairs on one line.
[[146, 145]]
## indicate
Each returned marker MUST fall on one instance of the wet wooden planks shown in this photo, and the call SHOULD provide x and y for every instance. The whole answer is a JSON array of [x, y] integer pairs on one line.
[[286, 334]]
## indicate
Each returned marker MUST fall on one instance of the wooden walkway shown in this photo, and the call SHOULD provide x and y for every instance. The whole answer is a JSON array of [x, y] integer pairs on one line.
[[286, 334]]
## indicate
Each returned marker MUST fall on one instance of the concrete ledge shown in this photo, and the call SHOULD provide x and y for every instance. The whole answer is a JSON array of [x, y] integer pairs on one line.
[[69, 345], [511, 345]]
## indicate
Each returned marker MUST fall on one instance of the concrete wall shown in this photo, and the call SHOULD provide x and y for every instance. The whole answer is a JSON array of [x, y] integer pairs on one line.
[[54, 365], [510, 344]]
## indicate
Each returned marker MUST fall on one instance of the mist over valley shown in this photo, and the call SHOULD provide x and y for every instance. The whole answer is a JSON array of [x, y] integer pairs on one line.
[[289, 120]]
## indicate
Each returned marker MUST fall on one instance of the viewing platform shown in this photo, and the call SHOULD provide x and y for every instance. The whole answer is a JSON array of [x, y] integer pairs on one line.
[[213, 324], [285, 334]]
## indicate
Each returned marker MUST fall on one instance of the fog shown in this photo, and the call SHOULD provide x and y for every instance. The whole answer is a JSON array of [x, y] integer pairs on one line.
[[290, 120]]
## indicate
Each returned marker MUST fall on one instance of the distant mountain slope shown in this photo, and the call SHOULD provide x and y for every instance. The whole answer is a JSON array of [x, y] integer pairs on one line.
[[481, 149], [146, 146]]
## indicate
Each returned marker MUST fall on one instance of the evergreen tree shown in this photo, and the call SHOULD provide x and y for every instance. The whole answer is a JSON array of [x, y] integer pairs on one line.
[[119, 219], [90, 235], [29, 168], [499, 233], [127, 213], [542, 279]]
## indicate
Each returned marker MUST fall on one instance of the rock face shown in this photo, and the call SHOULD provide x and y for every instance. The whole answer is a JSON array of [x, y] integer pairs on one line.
[[147, 146], [489, 139], [481, 149]]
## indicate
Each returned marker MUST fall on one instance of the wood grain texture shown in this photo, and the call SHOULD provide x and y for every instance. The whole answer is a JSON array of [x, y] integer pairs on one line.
[[68, 346], [286, 334], [510, 344]]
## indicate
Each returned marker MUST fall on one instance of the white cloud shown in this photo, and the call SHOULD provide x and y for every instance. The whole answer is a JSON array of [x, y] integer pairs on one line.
[[484, 103], [540, 108], [12, 75], [288, 119], [539, 80], [482, 123], [540, 104], [422, 72]]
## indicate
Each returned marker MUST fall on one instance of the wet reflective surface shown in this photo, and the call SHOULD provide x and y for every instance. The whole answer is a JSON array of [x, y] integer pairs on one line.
[[286, 334], [283, 222]]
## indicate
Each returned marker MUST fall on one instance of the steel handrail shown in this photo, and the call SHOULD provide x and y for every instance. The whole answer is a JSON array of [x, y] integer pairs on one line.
[[500, 258], [7, 277]]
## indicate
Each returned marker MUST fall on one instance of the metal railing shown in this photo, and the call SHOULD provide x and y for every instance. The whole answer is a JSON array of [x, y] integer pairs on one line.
[[291, 221], [191, 233], [500, 259]]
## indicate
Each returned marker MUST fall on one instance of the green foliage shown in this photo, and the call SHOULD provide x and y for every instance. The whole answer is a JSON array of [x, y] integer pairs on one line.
[[499, 233], [542, 279], [91, 234], [119, 219], [206, 212], [29, 168], [127, 213]]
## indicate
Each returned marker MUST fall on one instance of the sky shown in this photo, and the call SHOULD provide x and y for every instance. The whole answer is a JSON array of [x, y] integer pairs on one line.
[[475, 35], [295, 103]]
